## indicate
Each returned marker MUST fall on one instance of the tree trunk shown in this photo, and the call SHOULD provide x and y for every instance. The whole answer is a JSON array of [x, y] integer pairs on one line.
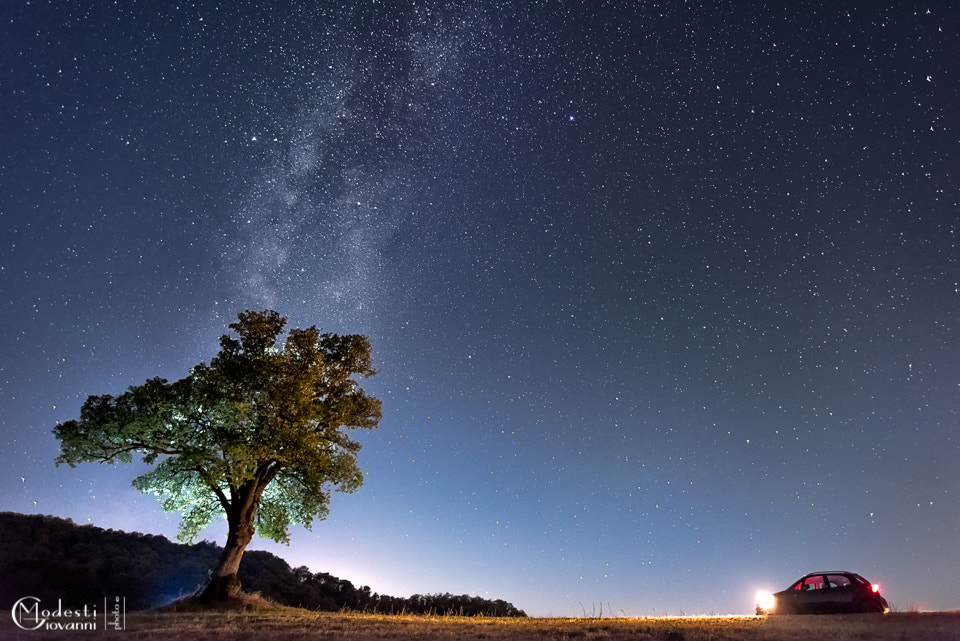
[[224, 584]]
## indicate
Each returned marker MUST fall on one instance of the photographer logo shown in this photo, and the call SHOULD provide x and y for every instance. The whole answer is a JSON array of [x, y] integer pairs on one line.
[[29, 613]]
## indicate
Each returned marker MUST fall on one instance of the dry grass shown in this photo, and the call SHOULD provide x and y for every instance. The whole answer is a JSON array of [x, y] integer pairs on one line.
[[265, 623]]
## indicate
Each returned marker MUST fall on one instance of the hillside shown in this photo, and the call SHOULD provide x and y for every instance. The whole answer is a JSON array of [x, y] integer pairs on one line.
[[53, 558]]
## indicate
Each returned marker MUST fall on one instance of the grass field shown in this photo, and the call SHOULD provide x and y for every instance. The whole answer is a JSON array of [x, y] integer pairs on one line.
[[290, 623]]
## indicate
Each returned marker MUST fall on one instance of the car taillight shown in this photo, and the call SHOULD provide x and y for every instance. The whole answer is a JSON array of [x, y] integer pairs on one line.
[[875, 587]]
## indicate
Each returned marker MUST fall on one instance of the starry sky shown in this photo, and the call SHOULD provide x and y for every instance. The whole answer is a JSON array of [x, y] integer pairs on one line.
[[664, 297]]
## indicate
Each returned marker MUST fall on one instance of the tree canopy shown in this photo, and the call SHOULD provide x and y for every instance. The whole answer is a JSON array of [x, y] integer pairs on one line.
[[257, 435]]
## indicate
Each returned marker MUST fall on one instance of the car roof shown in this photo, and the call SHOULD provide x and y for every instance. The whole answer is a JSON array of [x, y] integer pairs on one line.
[[829, 572]]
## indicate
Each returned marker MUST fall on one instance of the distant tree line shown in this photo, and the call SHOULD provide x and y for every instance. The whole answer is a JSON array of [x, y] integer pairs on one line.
[[53, 558]]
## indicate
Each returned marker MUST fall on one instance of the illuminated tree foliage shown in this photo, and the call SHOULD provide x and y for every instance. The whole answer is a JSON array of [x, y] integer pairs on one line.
[[258, 435]]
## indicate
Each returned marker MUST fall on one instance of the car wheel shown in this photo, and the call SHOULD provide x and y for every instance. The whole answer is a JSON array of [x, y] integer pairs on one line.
[[786, 608], [871, 606]]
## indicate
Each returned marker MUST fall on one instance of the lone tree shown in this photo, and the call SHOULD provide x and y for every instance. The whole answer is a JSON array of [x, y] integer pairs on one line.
[[257, 435]]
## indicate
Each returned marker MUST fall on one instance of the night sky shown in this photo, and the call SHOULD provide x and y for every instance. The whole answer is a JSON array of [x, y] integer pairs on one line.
[[664, 297]]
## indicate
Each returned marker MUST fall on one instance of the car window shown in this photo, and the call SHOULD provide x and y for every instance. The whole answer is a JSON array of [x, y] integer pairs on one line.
[[813, 583], [839, 581]]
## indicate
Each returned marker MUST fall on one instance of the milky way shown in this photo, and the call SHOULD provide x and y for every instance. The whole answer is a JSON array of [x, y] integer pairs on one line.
[[664, 298]]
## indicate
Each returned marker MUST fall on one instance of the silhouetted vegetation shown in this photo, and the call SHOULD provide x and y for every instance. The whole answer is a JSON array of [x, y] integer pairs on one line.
[[53, 558]]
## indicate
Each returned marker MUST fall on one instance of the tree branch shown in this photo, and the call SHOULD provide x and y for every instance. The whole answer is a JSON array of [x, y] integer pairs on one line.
[[224, 502], [106, 456]]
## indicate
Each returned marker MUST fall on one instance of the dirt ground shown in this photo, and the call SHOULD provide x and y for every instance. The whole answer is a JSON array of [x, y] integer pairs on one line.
[[289, 623]]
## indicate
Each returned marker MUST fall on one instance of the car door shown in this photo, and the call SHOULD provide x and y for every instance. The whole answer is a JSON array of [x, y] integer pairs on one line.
[[796, 598], [842, 593], [788, 601], [814, 596]]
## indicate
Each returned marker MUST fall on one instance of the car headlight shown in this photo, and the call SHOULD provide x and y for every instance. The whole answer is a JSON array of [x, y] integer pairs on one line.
[[766, 601]]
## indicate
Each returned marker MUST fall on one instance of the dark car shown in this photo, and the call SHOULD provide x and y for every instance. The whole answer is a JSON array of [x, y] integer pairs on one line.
[[824, 593]]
